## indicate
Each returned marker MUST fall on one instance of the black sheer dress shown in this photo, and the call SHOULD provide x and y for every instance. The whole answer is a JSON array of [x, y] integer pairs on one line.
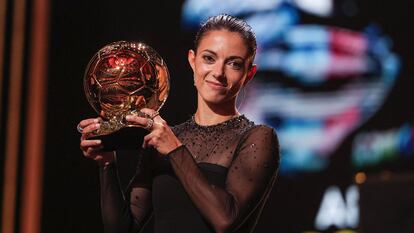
[[217, 181]]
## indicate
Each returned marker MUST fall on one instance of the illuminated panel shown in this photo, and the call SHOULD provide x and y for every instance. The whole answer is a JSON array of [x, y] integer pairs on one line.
[[373, 148], [195, 11], [317, 7], [337, 211]]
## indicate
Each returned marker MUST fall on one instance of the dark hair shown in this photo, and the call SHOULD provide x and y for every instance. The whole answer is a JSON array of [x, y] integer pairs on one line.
[[232, 24]]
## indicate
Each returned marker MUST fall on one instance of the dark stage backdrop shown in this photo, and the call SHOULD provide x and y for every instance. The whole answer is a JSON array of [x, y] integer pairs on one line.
[[79, 28]]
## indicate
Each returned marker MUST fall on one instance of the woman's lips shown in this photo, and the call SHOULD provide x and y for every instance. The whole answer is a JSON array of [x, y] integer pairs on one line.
[[215, 85]]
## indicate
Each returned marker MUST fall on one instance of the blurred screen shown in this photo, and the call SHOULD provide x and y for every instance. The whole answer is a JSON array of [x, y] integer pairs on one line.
[[317, 83], [320, 80]]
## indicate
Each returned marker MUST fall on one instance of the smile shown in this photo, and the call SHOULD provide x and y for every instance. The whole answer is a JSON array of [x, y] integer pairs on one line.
[[216, 85]]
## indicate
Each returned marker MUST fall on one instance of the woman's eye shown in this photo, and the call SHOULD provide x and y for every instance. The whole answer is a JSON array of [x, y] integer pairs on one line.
[[236, 65], [208, 58]]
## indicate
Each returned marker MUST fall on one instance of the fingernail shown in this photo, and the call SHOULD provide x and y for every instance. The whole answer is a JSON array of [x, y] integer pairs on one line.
[[97, 125], [98, 142], [128, 117], [96, 120]]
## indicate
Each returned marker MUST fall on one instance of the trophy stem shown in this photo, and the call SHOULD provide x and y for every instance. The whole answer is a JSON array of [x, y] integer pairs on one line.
[[113, 124]]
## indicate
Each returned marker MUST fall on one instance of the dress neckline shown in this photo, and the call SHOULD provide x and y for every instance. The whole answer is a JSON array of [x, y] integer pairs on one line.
[[225, 124]]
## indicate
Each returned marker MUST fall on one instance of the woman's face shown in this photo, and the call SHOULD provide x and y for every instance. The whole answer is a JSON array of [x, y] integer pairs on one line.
[[221, 66]]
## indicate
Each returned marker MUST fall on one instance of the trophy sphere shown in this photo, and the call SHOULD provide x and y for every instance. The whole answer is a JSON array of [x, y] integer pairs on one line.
[[122, 78]]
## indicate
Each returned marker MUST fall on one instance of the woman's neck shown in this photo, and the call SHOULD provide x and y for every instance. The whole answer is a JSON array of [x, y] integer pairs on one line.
[[208, 114]]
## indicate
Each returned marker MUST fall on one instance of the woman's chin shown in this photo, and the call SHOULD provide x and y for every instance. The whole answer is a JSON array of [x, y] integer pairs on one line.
[[218, 100]]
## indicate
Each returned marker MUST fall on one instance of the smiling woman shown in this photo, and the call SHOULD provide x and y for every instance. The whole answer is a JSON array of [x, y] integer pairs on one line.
[[212, 173], [220, 67]]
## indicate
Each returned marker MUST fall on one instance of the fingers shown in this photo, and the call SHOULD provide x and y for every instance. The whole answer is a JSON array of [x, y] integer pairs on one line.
[[90, 143], [88, 126], [162, 139], [87, 131], [85, 123], [93, 153], [153, 139], [89, 121], [90, 147], [86, 144], [149, 140], [137, 120], [145, 142], [151, 113], [145, 122], [148, 111]]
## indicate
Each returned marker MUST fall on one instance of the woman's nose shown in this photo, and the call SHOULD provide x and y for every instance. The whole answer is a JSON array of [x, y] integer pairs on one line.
[[218, 71]]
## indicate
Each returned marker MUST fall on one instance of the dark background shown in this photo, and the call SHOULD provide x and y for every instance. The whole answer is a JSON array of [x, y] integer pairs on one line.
[[81, 28], [78, 30]]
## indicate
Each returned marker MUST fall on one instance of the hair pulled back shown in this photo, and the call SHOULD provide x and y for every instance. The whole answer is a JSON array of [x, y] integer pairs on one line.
[[229, 23]]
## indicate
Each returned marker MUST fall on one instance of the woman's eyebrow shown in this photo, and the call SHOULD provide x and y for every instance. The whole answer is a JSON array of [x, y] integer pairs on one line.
[[209, 51], [235, 57], [231, 58]]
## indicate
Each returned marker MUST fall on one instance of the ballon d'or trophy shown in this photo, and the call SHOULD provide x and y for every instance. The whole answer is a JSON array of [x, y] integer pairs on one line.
[[122, 78]]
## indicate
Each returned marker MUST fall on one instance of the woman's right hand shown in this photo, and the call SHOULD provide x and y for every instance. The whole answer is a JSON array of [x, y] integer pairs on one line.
[[91, 148]]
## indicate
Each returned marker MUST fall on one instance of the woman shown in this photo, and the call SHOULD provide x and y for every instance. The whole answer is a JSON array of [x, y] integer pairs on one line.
[[212, 173]]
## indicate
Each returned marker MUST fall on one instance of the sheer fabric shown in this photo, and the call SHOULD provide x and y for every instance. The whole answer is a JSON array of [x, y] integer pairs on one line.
[[217, 181]]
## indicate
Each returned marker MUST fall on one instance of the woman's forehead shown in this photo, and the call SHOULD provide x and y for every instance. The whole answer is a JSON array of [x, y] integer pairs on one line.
[[224, 40]]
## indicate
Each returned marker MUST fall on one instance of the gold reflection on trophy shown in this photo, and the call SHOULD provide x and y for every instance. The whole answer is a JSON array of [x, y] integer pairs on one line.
[[122, 78]]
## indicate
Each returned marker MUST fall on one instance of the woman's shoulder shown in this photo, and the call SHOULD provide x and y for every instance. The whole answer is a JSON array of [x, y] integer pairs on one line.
[[261, 133], [261, 140], [261, 129]]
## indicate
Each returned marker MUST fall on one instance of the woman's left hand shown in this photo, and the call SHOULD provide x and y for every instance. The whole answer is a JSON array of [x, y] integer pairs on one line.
[[161, 136]]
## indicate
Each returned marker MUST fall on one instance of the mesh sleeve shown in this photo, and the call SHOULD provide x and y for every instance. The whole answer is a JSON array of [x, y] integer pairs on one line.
[[124, 212], [254, 165]]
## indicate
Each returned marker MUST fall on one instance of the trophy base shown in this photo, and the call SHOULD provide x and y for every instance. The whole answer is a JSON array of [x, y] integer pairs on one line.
[[129, 138]]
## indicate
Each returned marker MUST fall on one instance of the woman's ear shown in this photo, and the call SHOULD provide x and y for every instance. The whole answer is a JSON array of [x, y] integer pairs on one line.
[[250, 74], [191, 58]]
